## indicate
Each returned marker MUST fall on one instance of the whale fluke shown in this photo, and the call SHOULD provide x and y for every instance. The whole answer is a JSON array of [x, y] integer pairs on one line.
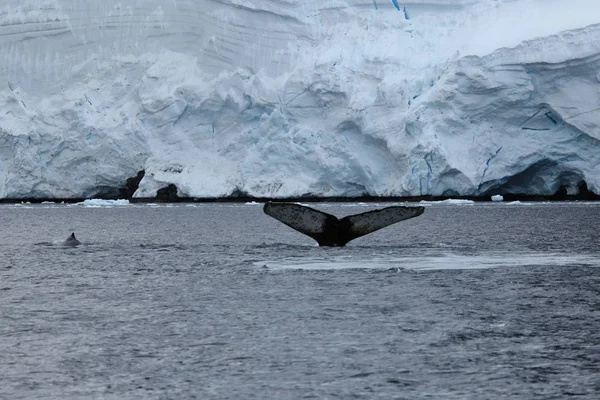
[[328, 230], [71, 241]]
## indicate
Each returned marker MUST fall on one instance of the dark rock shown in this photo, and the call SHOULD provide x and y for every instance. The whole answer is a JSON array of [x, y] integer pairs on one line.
[[583, 193], [131, 185], [561, 193], [167, 194], [240, 194]]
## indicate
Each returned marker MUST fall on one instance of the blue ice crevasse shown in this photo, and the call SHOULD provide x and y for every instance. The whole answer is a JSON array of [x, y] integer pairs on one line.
[[405, 14], [395, 3], [375, 4]]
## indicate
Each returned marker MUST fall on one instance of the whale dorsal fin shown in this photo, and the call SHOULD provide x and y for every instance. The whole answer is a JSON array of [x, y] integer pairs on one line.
[[71, 241], [328, 230]]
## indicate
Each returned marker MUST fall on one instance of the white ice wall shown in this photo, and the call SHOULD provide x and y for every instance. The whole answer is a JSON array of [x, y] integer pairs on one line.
[[291, 97]]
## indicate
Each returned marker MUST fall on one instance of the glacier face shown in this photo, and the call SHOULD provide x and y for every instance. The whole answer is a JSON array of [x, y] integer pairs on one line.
[[283, 98]]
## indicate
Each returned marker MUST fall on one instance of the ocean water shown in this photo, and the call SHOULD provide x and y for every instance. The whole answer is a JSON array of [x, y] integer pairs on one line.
[[219, 301]]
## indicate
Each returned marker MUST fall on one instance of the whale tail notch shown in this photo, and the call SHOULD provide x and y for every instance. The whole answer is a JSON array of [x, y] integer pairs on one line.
[[328, 230]]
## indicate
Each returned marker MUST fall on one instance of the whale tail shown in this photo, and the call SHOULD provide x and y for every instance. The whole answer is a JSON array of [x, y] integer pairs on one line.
[[328, 230]]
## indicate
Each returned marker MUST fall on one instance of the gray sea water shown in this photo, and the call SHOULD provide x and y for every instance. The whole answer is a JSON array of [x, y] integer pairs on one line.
[[219, 301]]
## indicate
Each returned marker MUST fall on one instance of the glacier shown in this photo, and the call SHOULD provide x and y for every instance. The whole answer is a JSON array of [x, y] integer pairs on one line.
[[291, 98]]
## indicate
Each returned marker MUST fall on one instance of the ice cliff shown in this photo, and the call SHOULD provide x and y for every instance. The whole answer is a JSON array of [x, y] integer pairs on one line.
[[278, 98]]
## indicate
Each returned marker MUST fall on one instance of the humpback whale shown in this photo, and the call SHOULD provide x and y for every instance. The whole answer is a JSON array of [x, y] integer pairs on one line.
[[71, 241], [328, 230]]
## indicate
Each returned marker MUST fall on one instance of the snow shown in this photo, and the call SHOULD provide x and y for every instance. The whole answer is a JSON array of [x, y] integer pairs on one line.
[[449, 202], [518, 203], [104, 203], [284, 98]]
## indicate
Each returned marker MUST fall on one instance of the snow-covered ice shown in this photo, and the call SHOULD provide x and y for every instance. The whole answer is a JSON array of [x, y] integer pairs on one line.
[[449, 201], [497, 197], [104, 203], [278, 98]]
